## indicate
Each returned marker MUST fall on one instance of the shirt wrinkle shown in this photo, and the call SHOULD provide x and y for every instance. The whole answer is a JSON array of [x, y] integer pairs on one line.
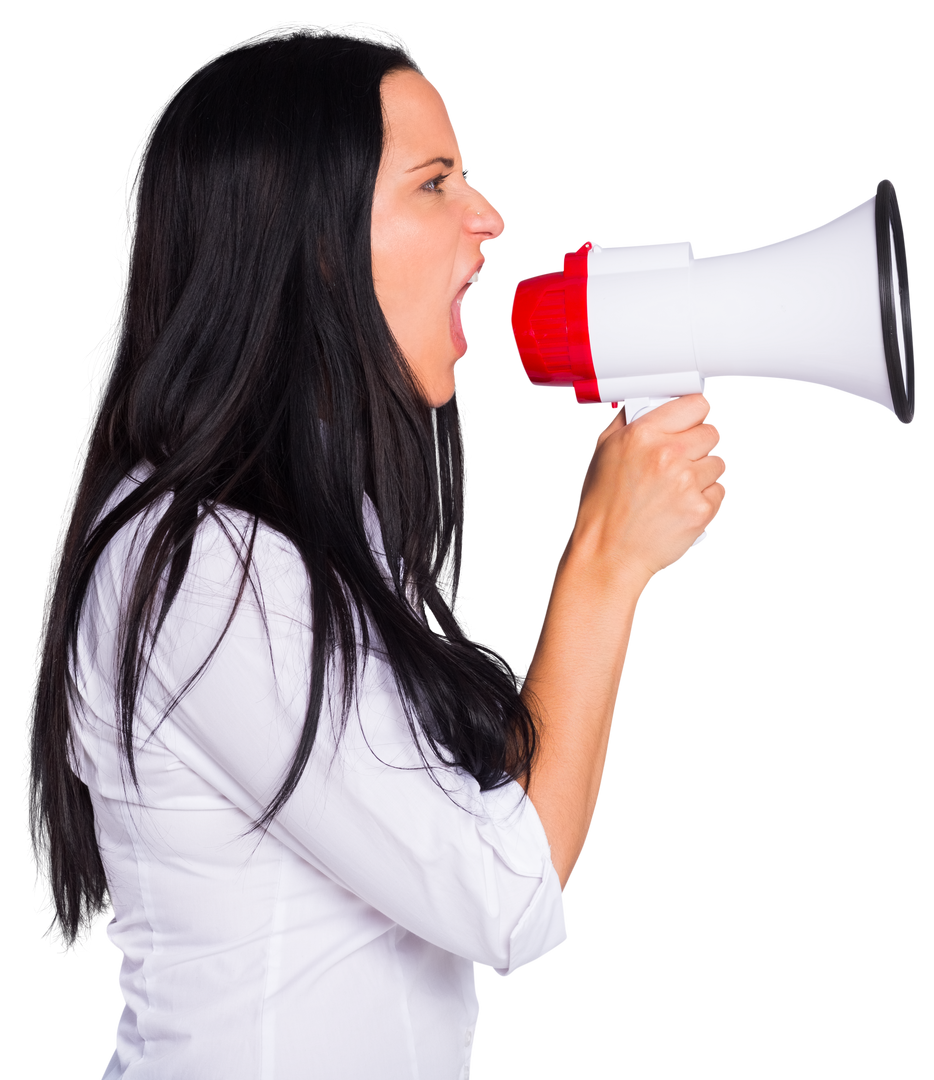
[[339, 943]]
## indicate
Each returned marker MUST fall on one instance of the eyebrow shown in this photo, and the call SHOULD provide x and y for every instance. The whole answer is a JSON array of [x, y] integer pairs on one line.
[[447, 162]]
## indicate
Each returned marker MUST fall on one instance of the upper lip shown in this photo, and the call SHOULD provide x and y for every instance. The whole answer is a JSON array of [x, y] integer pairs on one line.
[[474, 270]]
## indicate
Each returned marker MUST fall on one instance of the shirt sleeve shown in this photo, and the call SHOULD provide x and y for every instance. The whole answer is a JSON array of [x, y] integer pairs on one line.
[[469, 871]]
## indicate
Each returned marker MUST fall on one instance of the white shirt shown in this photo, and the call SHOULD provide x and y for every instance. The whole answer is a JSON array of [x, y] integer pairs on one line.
[[341, 943]]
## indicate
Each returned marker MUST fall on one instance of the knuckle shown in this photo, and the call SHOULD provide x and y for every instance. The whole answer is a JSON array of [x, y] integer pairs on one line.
[[685, 479], [665, 457]]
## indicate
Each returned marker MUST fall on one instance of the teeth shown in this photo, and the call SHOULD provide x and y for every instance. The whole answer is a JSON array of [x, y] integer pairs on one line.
[[474, 278]]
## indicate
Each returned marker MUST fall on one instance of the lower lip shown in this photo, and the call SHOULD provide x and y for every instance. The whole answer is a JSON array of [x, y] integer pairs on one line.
[[457, 330]]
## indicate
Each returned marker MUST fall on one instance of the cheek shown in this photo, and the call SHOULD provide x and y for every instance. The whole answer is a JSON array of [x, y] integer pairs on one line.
[[384, 240], [414, 275], [413, 256], [395, 270]]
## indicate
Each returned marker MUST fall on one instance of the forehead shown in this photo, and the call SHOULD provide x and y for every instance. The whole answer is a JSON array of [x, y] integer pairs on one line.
[[416, 121]]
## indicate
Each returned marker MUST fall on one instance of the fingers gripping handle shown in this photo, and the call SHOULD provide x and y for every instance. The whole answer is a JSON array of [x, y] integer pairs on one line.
[[636, 407]]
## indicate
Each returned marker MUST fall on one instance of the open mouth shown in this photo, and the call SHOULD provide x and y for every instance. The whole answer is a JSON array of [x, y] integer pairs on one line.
[[458, 327]]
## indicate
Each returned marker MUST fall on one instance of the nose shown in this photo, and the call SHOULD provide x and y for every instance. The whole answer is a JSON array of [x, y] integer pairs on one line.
[[482, 219]]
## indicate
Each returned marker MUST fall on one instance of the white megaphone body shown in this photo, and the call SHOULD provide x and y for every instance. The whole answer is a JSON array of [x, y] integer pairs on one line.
[[644, 324]]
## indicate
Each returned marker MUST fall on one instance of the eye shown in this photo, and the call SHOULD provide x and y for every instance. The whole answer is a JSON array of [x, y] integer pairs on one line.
[[435, 183]]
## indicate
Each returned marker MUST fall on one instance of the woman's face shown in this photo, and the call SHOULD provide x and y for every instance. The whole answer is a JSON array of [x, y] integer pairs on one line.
[[428, 225]]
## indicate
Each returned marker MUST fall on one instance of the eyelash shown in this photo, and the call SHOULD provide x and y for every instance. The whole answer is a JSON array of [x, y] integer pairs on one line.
[[438, 181], [434, 184]]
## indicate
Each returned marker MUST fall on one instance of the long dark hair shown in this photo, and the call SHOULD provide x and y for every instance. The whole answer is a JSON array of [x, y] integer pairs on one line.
[[255, 370]]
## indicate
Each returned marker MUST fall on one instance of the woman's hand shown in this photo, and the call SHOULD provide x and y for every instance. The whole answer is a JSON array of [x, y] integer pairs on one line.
[[651, 488]]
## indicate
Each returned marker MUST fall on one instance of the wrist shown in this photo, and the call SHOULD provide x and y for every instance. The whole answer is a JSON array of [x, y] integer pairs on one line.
[[587, 562]]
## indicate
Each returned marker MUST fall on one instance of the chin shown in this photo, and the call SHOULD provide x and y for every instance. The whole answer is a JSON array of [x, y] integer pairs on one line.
[[438, 398]]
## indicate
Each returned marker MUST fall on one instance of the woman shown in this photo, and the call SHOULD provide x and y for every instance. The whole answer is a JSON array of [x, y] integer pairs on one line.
[[310, 810]]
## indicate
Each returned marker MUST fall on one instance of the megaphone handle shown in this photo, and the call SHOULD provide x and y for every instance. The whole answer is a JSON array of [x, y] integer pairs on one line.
[[636, 407]]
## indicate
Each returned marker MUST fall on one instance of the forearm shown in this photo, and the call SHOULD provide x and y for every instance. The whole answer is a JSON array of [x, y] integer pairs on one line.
[[571, 690]]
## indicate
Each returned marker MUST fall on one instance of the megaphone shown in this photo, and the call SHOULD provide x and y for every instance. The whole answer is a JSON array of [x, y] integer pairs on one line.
[[644, 324]]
